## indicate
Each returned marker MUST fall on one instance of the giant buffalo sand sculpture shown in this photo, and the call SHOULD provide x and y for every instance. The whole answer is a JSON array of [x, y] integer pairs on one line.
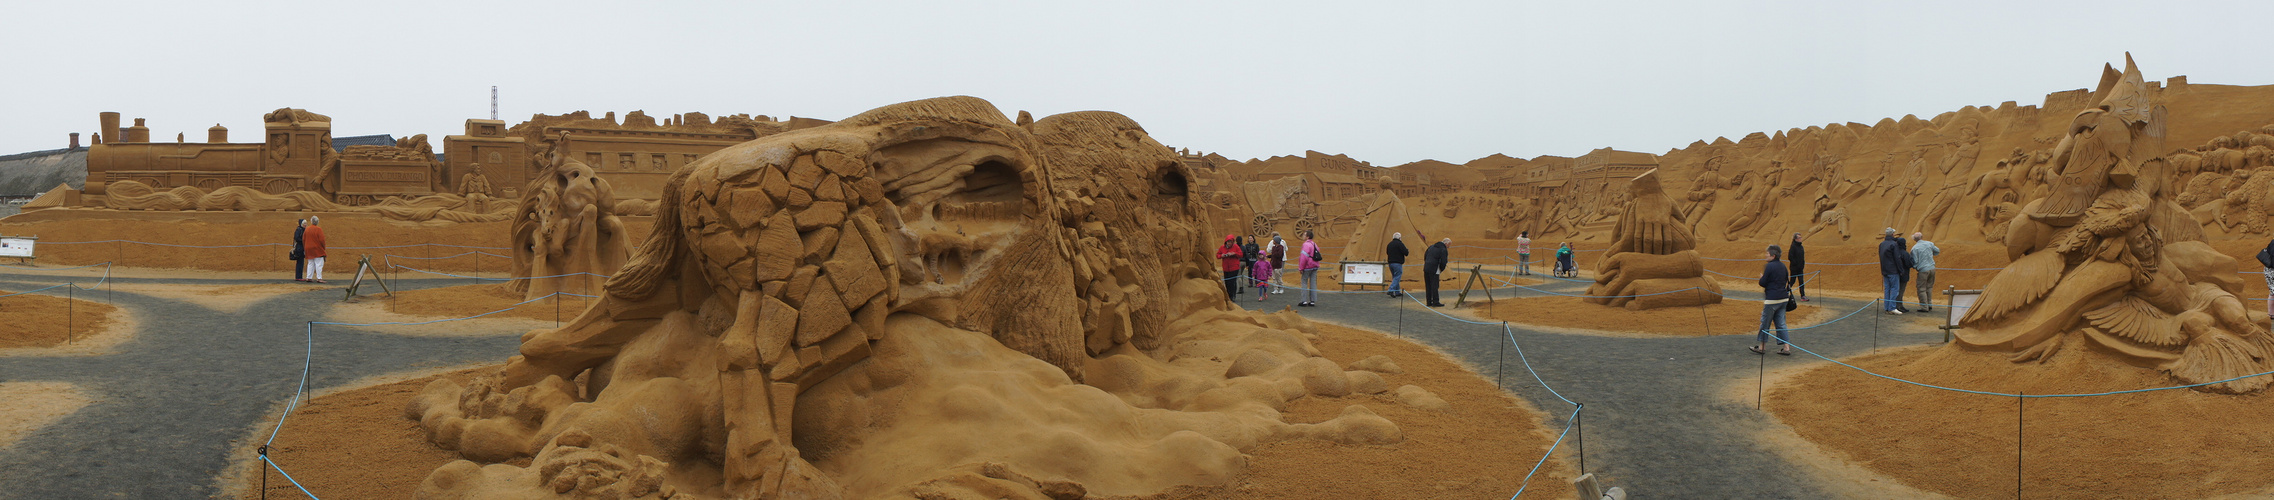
[[901, 286]]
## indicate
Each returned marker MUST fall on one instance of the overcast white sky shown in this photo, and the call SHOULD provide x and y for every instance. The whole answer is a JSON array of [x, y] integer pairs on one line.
[[1385, 82]]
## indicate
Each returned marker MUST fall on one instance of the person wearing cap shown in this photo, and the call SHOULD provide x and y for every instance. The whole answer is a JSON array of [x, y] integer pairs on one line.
[[1922, 264], [1396, 254], [1892, 267], [312, 244]]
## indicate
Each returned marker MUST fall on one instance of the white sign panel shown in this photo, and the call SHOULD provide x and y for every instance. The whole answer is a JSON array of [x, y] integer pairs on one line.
[[1959, 304], [16, 246], [1356, 273]]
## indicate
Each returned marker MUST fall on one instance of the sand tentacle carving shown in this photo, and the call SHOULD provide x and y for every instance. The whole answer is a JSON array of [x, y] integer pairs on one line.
[[1652, 251], [2109, 258], [907, 303]]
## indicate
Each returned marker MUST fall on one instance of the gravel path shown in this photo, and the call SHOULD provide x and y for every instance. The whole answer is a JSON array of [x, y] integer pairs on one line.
[[1657, 421], [172, 399]]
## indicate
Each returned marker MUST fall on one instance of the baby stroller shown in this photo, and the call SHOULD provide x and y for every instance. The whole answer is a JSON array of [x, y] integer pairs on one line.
[[1564, 268]]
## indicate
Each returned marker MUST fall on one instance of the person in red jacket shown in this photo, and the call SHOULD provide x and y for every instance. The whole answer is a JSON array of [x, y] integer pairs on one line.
[[312, 243], [1230, 254]]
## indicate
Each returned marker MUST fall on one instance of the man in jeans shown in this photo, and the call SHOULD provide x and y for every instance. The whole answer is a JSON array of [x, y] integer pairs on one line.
[[1395, 254], [1922, 260], [1891, 271], [1776, 289]]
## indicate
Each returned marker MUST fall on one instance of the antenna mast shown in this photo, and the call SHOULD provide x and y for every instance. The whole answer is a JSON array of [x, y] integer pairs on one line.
[[493, 102]]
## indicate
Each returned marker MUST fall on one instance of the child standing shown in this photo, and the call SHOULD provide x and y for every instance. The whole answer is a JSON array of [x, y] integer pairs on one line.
[[1262, 286]]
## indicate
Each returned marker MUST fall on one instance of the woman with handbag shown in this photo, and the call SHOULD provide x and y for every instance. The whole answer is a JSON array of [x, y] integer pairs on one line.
[[1776, 294]]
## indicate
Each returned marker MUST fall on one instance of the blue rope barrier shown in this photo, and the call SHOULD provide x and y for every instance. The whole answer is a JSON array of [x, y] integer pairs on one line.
[[288, 477], [1551, 452]]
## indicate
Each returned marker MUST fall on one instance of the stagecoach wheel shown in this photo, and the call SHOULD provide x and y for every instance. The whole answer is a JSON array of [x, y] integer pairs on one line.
[[1261, 225], [209, 184], [1306, 224], [278, 186]]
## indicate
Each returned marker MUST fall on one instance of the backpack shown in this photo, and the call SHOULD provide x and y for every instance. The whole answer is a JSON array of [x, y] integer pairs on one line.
[[2266, 259]]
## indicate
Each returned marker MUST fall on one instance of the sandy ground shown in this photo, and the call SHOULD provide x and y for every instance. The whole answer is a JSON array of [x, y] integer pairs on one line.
[[429, 304], [38, 320], [1963, 445], [347, 442], [356, 443], [1573, 315], [32, 405]]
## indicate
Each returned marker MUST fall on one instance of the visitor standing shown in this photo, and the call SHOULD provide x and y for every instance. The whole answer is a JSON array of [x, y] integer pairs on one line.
[[1229, 254], [1396, 253], [1278, 253], [1891, 267], [1263, 285], [2266, 260], [1249, 253], [1308, 264], [299, 253], [1524, 252], [1776, 292], [1797, 260], [1922, 263], [1433, 264], [312, 245]]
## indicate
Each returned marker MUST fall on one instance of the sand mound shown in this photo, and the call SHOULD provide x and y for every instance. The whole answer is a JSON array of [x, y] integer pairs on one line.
[[355, 443], [428, 304], [40, 320], [1963, 444], [32, 405]]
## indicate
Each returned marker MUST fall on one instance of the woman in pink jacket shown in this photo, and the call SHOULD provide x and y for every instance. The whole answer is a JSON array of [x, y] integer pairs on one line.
[[1308, 263]]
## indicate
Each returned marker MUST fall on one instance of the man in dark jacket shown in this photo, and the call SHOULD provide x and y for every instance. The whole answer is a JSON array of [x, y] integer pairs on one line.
[[1776, 289], [1433, 263], [1395, 254], [299, 257], [1797, 261], [1894, 257]]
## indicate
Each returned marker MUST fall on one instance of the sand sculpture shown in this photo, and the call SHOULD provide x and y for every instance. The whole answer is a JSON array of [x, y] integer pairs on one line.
[[565, 232], [1385, 215], [131, 195], [2109, 259], [1651, 252], [929, 300]]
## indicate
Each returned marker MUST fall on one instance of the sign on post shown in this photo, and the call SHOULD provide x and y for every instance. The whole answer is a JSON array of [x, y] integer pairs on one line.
[[17, 246], [1364, 273]]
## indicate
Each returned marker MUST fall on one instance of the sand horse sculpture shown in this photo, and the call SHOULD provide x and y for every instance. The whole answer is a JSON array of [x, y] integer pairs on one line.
[[926, 300], [1652, 252], [565, 236], [2110, 259]]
